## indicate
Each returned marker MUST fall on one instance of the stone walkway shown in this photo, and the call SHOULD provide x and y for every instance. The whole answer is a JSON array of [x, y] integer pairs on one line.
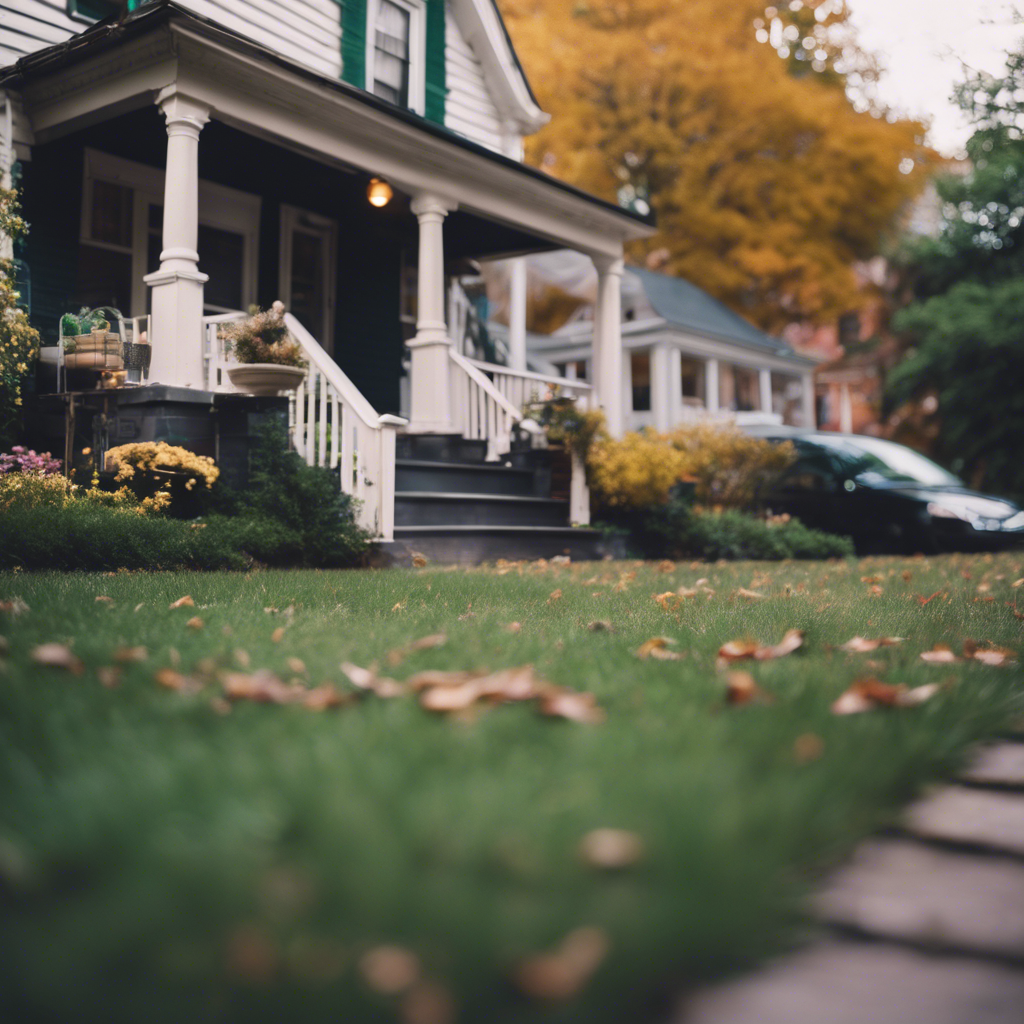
[[924, 925]]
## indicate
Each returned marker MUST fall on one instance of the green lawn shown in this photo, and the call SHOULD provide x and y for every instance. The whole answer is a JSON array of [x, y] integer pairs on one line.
[[163, 860]]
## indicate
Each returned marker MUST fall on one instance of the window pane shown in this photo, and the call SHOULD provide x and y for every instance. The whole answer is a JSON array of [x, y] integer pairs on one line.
[[692, 378], [221, 255], [111, 213], [641, 367], [391, 53], [104, 278]]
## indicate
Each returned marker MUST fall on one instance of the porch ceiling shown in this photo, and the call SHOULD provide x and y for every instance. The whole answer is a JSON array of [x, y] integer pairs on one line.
[[113, 69]]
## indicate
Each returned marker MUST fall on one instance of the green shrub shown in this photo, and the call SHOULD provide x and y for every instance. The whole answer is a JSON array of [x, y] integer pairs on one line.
[[685, 531]]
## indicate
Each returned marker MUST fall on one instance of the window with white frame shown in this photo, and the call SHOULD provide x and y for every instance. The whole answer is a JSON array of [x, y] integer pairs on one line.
[[395, 42]]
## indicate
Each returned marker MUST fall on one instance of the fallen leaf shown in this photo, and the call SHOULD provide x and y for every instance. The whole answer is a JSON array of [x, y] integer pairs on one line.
[[398, 606], [183, 602], [389, 969], [572, 705], [871, 579], [740, 688], [103, 599], [562, 972], [514, 627], [451, 698], [109, 675], [990, 655], [195, 623], [418, 560], [922, 601], [611, 848], [907, 575], [130, 654], [876, 591], [861, 645], [324, 696], [668, 601], [751, 595], [278, 635], [261, 686], [555, 595], [426, 643], [940, 654], [54, 655], [657, 648], [367, 679], [512, 684], [868, 694], [666, 566], [140, 606], [176, 681], [740, 650], [468, 613], [437, 677], [296, 665], [1018, 583], [600, 626], [14, 607], [808, 747], [918, 695]]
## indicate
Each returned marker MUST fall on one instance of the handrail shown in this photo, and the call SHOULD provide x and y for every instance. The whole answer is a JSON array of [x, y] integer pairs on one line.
[[543, 378], [469, 367]]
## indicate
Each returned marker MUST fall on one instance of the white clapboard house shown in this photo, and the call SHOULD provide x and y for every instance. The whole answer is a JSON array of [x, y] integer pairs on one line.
[[182, 159]]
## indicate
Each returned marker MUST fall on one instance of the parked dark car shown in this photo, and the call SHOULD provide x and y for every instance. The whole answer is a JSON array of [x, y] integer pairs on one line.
[[887, 497]]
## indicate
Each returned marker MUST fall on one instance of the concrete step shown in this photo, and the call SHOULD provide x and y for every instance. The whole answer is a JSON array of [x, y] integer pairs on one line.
[[432, 508], [470, 478], [471, 545], [440, 448]]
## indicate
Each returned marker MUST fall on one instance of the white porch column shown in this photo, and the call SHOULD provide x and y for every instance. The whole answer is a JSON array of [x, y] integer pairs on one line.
[[675, 387], [177, 296], [517, 314], [608, 341], [711, 392], [765, 380], [845, 409], [810, 419], [430, 410], [662, 386]]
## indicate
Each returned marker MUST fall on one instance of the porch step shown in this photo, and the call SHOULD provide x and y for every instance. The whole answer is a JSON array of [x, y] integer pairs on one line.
[[471, 545], [436, 508], [469, 478], [440, 448]]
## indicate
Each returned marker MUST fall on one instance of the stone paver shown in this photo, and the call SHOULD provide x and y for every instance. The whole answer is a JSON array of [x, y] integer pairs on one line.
[[1002, 764], [971, 815], [905, 890], [864, 983]]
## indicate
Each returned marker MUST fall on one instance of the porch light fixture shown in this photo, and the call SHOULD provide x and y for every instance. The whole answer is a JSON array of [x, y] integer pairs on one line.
[[379, 192]]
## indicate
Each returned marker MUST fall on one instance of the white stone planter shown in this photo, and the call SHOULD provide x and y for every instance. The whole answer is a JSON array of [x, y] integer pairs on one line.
[[265, 378]]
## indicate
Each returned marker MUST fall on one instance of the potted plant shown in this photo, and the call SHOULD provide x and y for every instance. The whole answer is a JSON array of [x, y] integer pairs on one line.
[[268, 359], [88, 342]]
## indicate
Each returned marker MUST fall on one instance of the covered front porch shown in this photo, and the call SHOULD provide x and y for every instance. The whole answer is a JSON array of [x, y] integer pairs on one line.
[[180, 173]]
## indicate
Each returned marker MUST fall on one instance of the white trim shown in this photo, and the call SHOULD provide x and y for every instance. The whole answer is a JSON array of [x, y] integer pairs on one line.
[[220, 207], [417, 49], [292, 218]]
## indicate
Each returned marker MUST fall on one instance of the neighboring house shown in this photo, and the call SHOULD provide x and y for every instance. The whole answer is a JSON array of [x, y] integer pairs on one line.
[[181, 160], [685, 355]]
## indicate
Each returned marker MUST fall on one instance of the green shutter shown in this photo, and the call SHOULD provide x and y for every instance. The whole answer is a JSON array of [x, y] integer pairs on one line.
[[353, 43], [435, 67]]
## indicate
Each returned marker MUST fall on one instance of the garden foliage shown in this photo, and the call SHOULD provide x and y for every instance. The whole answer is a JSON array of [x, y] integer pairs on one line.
[[263, 338]]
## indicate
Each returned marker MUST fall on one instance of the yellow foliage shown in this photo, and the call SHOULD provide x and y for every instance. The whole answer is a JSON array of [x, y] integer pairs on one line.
[[159, 455], [767, 182], [727, 466], [32, 490]]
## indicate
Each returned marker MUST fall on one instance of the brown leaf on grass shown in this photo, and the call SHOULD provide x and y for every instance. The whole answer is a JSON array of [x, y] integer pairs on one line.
[[875, 591], [14, 607], [103, 599], [989, 655], [514, 627], [907, 575], [261, 686], [871, 579], [389, 969], [296, 665], [750, 595], [741, 650], [468, 613], [55, 655], [868, 694], [555, 595], [451, 698], [398, 606], [861, 645], [109, 675], [940, 654], [439, 677], [367, 679], [183, 602], [418, 560], [808, 747], [324, 696], [195, 623], [922, 601], [669, 601], [562, 972], [741, 688], [126, 655], [600, 626], [572, 705], [1018, 583], [611, 848], [427, 1002], [277, 636], [174, 680], [425, 643], [666, 566], [140, 606], [657, 648]]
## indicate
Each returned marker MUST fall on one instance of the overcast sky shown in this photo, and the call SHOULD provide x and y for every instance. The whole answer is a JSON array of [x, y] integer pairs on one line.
[[921, 44]]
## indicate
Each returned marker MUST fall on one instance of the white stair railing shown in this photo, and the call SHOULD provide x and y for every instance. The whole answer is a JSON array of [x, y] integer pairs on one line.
[[523, 387], [331, 424]]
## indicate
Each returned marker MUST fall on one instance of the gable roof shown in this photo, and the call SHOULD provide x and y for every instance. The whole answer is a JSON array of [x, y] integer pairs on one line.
[[690, 308]]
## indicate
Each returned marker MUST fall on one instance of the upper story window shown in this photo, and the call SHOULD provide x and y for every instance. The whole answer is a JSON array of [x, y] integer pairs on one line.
[[395, 52], [94, 10]]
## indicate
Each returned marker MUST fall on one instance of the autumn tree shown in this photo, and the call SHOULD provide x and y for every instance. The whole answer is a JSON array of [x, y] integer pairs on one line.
[[734, 123]]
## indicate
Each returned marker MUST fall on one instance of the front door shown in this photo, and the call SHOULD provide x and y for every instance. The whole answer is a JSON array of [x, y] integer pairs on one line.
[[307, 285]]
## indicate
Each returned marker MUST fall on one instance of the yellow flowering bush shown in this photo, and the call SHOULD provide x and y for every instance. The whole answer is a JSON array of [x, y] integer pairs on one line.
[[33, 491], [19, 341], [727, 466], [159, 456]]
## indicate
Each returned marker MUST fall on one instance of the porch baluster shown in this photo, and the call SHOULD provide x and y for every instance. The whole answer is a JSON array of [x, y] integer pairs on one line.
[[322, 454]]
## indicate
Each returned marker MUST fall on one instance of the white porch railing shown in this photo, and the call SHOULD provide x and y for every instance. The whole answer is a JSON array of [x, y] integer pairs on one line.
[[487, 402], [331, 425]]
